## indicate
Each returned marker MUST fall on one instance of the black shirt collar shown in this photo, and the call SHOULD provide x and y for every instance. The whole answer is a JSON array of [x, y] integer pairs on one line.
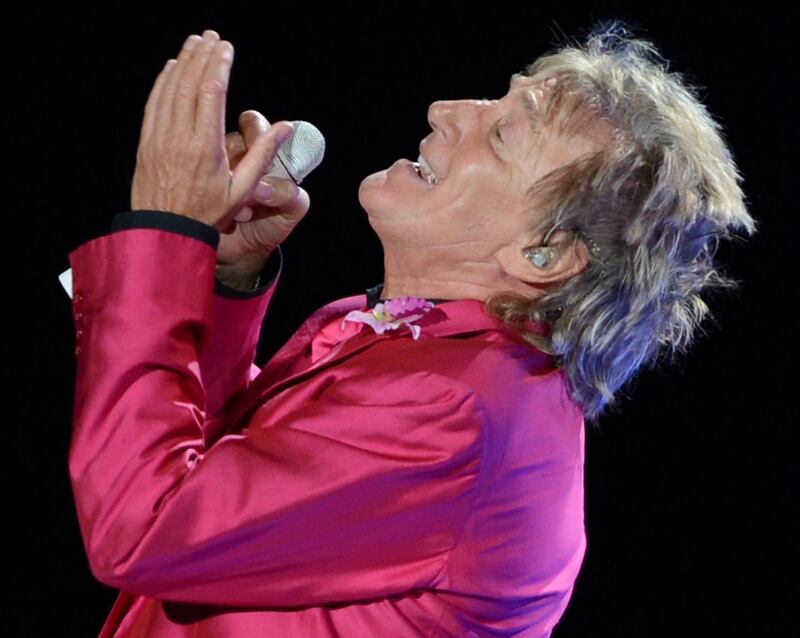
[[374, 296]]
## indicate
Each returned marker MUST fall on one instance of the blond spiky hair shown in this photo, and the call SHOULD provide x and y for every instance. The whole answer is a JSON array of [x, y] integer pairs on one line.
[[656, 200]]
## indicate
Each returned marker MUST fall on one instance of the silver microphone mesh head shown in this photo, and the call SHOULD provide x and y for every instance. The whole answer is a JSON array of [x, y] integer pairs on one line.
[[303, 151]]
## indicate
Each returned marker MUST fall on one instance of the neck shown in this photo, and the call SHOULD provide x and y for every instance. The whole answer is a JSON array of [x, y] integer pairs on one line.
[[375, 296]]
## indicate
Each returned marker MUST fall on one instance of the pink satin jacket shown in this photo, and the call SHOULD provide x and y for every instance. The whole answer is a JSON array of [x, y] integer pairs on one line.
[[358, 485]]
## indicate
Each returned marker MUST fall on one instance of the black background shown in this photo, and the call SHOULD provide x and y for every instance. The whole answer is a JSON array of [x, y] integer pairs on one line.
[[690, 486]]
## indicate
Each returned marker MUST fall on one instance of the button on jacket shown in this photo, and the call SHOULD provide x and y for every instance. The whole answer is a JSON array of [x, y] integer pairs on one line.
[[360, 484]]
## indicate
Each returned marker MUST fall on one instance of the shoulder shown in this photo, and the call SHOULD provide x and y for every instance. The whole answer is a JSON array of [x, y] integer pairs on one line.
[[488, 381], [496, 367], [467, 358]]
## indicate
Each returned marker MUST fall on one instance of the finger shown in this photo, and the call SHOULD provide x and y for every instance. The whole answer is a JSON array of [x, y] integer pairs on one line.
[[257, 160], [151, 108], [164, 107], [290, 208], [299, 206], [213, 90], [235, 148], [275, 191], [252, 124], [188, 87], [245, 215]]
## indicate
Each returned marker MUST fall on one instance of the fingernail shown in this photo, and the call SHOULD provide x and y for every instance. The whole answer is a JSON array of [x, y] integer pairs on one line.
[[191, 42], [263, 191], [245, 215]]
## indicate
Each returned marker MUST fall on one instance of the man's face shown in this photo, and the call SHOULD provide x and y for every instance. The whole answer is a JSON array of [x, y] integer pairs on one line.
[[487, 154]]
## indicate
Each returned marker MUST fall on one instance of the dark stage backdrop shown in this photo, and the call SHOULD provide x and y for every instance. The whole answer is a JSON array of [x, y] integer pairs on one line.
[[689, 485]]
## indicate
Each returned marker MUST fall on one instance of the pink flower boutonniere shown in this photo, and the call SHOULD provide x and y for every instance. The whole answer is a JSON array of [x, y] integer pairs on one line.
[[392, 314]]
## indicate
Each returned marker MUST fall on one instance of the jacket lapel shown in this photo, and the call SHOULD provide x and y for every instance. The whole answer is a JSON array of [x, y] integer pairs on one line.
[[287, 366]]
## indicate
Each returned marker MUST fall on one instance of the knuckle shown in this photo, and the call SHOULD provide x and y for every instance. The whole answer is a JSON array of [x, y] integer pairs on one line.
[[184, 85], [166, 95], [184, 93], [214, 87]]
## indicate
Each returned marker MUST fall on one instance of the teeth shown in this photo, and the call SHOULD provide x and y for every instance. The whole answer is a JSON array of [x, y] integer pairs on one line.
[[426, 171], [422, 174]]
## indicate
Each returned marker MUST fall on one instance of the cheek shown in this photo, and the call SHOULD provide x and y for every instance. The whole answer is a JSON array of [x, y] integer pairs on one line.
[[478, 188], [476, 191], [473, 215]]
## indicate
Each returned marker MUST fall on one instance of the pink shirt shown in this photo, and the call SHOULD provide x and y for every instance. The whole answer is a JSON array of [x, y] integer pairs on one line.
[[358, 485]]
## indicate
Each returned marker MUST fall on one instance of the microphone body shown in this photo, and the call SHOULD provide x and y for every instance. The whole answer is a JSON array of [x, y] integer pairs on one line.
[[299, 154]]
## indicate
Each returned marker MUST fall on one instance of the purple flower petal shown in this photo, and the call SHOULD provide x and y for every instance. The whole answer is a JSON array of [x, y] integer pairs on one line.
[[392, 314], [402, 306]]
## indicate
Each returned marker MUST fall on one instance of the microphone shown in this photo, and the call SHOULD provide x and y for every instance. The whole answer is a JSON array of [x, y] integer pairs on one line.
[[298, 155]]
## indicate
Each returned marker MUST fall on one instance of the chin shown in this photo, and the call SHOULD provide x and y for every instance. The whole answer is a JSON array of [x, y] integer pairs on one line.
[[391, 192], [376, 195], [370, 183]]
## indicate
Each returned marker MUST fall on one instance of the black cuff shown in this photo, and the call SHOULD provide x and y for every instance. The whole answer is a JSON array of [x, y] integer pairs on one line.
[[165, 220], [267, 277]]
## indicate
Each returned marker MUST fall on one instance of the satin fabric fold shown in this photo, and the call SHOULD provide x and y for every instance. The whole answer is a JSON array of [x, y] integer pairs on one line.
[[332, 334]]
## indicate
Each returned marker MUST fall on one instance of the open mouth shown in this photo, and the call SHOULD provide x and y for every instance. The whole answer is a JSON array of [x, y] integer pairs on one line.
[[414, 166], [421, 174]]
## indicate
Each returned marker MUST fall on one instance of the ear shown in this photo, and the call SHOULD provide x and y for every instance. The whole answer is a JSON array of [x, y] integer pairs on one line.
[[570, 258]]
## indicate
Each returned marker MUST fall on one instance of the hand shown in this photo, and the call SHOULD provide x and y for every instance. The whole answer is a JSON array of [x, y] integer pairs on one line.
[[182, 164], [264, 222]]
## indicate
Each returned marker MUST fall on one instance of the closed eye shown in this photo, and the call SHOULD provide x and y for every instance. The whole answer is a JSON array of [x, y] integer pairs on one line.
[[498, 124], [497, 131]]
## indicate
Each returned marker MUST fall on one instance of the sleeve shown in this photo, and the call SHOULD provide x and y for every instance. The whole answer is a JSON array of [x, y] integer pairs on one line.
[[359, 492], [227, 363], [176, 223]]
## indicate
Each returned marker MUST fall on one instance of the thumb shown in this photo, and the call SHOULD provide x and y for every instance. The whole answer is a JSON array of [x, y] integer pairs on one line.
[[258, 159]]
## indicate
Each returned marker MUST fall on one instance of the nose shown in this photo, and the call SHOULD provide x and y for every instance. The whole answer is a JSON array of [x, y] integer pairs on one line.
[[450, 117]]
